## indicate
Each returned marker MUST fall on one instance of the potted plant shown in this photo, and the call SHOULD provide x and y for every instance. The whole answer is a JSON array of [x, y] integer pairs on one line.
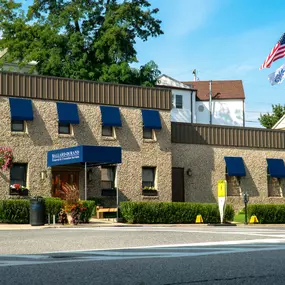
[[149, 191], [19, 189]]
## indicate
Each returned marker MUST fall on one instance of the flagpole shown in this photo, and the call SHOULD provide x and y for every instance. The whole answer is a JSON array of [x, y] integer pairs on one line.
[[210, 102]]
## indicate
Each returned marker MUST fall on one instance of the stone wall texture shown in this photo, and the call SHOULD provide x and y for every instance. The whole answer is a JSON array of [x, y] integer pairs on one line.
[[208, 166], [42, 136]]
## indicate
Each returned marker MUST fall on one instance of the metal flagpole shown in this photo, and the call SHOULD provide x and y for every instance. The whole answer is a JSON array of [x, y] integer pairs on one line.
[[210, 102], [117, 192], [85, 180]]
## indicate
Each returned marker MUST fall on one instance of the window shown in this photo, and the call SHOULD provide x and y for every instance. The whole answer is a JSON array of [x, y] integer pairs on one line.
[[108, 177], [148, 176], [107, 131], [147, 133], [18, 174], [64, 129], [17, 126], [233, 185], [179, 102], [274, 186]]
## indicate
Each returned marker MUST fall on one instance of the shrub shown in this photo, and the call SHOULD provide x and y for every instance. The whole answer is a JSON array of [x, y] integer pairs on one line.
[[268, 214], [89, 212], [172, 213], [15, 211], [53, 205]]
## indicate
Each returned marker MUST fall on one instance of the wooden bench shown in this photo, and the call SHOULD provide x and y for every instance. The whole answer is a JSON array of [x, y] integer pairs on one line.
[[101, 210]]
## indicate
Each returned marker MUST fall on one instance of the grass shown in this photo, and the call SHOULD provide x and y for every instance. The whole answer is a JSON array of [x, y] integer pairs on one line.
[[239, 218]]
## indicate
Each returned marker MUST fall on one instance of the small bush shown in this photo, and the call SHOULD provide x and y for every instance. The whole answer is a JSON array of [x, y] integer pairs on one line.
[[89, 212], [268, 214], [172, 213], [53, 206], [15, 211]]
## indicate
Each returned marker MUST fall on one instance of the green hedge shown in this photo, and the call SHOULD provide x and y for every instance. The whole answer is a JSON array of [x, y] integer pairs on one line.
[[268, 214], [15, 211], [53, 205], [90, 210], [172, 212]]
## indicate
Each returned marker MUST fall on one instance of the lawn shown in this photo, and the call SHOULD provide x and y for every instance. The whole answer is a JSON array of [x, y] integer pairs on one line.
[[239, 218]]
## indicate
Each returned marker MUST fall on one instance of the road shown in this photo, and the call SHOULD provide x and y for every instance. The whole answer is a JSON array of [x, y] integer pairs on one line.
[[143, 255]]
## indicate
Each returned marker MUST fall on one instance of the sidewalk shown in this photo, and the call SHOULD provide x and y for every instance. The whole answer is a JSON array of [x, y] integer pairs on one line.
[[112, 223]]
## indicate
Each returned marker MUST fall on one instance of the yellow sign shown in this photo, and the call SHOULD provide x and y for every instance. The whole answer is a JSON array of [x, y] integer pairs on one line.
[[253, 220], [222, 188], [199, 219]]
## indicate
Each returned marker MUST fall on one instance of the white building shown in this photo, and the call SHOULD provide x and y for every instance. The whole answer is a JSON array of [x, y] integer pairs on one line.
[[14, 66], [183, 100], [191, 101], [280, 125]]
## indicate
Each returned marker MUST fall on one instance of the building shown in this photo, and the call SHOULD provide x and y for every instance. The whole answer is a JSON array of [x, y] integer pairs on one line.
[[102, 137], [280, 125], [191, 101], [58, 118], [183, 99], [14, 66], [227, 102]]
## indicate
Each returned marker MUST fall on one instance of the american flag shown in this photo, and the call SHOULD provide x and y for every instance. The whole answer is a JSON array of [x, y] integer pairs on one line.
[[277, 52]]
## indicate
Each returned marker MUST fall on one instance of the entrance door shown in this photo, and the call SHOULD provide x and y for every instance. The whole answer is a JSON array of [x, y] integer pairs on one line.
[[61, 179], [178, 185]]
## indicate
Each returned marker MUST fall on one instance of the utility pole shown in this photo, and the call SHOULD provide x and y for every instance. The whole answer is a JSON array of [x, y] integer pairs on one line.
[[210, 102]]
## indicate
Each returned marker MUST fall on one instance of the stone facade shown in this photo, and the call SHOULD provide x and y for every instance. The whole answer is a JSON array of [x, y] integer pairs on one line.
[[42, 136], [208, 166]]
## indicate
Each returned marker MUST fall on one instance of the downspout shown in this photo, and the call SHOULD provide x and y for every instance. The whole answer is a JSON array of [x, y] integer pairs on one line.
[[243, 114], [191, 99]]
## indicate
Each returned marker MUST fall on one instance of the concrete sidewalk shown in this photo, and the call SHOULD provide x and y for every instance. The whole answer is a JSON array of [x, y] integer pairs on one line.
[[112, 223]]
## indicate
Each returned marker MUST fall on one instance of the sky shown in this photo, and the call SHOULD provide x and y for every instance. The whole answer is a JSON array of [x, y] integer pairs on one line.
[[222, 40]]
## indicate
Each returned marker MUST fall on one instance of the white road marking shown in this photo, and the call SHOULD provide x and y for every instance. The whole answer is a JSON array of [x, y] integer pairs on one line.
[[197, 244], [130, 254]]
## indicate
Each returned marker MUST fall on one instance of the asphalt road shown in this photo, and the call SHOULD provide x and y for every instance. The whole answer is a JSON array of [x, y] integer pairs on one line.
[[144, 255]]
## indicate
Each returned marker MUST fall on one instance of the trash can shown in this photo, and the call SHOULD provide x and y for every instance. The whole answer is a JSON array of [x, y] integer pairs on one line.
[[37, 212]]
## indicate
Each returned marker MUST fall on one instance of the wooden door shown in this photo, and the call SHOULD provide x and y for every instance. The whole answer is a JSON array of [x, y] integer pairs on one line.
[[60, 178], [178, 185]]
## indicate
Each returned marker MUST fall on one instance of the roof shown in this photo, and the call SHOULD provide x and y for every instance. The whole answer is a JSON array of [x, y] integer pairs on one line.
[[167, 81], [280, 124], [223, 89]]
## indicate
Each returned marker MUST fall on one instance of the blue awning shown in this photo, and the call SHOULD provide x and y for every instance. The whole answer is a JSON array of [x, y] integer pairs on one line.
[[235, 166], [21, 109], [276, 167], [151, 119], [110, 116], [93, 155], [67, 113]]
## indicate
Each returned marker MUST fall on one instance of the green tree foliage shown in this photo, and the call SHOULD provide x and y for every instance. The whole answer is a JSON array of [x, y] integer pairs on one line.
[[269, 120], [81, 39]]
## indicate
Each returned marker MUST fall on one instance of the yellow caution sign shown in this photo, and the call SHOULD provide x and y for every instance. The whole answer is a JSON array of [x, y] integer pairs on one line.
[[222, 188], [253, 220], [199, 219]]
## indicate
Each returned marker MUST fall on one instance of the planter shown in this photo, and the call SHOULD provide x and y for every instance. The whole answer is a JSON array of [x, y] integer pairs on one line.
[[149, 193], [24, 192], [20, 193], [109, 192]]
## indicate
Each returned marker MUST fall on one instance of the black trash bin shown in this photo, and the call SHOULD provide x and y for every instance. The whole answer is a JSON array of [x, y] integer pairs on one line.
[[37, 212]]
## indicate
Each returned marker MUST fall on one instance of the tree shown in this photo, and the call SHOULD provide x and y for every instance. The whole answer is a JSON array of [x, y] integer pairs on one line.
[[81, 39], [269, 120]]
